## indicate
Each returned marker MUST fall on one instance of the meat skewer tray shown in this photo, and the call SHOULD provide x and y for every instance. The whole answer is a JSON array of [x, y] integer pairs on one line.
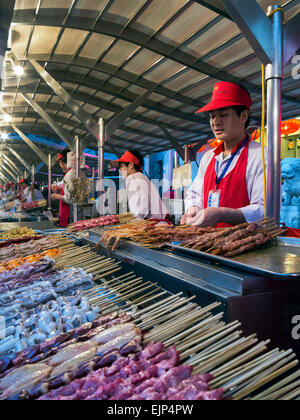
[[281, 261]]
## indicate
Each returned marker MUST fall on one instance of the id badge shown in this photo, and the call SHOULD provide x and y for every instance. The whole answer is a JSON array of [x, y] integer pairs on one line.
[[214, 198]]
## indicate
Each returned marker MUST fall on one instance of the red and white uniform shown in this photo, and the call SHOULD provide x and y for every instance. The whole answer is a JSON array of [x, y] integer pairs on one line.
[[64, 208], [241, 188]]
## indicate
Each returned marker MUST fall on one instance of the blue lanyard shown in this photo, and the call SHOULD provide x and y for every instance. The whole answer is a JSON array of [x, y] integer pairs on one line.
[[219, 179]]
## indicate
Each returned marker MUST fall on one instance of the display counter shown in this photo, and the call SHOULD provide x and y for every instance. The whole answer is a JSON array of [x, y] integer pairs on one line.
[[264, 304]]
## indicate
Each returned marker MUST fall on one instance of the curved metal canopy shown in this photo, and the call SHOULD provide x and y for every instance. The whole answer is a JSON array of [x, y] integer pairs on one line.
[[106, 54]]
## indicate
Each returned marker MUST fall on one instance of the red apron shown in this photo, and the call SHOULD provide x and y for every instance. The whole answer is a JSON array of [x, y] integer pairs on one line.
[[234, 192], [64, 212]]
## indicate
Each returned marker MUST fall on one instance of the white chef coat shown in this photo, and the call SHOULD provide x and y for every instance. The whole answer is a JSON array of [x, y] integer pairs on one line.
[[143, 198], [25, 193], [8, 193], [254, 175], [37, 196]]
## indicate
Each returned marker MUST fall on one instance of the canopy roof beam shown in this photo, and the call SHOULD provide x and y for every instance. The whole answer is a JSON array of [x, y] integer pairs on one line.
[[116, 122], [292, 37], [86, 119], [46, 117], [6, 16], [12, 165], [255, 25], [174, 143], [21, 160], [11, 174], [31, 144], [141, 39]]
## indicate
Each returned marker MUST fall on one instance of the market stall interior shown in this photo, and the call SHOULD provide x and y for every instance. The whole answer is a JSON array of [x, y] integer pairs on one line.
[[113, 307]]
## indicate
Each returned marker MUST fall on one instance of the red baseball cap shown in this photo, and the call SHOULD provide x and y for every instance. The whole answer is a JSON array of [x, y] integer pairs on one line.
[[128, 157], [226, 94], [59, 157]]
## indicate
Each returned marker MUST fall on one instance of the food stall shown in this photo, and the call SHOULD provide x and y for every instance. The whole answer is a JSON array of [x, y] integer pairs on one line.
[[133, 320]]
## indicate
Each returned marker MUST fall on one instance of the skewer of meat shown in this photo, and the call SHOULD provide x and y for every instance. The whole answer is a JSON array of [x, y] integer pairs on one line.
[[247, 247]]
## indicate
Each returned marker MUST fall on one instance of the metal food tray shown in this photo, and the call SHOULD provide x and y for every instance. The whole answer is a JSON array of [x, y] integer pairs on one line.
[[281, 262]]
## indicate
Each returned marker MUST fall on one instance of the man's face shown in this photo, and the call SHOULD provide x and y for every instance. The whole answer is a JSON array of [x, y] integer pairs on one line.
[[226, 124], [125, 170]]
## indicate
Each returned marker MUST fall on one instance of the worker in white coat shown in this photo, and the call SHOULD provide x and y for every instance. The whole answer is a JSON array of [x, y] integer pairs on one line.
[[143, 198]]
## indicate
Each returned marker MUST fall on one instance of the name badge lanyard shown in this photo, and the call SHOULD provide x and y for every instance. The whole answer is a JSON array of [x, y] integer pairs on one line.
[[219, 178]]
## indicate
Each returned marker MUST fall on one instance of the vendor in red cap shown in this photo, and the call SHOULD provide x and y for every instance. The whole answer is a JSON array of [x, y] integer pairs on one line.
[[64, 207], [23, 190], [10, 190], [228, 189], [143, 198]]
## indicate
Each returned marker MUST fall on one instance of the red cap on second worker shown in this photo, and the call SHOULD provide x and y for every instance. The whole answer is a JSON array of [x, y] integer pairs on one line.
[[227, 94], [126, 158]]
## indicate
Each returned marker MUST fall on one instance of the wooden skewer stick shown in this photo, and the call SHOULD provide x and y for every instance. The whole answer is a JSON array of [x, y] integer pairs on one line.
[[113, 292], [239, 363], [151, 299], [101, 267], [279, 233], [257, 370], [160, 320], [175, 326], [107, 295], [272, 367], [163, 312], [159, 304], [111, 272], [264, 380], [216, 328], [283, 391], [214, 348], [197, 328], [124, 297], [291, 396], [205, 340], [221, 380], [161, 327], [228, 352]]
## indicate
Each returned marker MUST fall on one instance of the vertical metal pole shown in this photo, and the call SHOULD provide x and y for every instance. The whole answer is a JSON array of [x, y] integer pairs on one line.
[[77, 168], [176, 160], [25, 174], [101, 161], [93, 183], [49, 180], [274, 74], [33, 173], [186, 154]]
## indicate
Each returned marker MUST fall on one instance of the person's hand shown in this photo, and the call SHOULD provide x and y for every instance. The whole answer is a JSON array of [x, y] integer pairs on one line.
[[55, 196], [209, 217], [189, 215]]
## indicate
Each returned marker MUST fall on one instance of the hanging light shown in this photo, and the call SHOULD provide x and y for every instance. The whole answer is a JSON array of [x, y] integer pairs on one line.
[[7, 118], [4, 136], [290, 126], [19, 71]]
